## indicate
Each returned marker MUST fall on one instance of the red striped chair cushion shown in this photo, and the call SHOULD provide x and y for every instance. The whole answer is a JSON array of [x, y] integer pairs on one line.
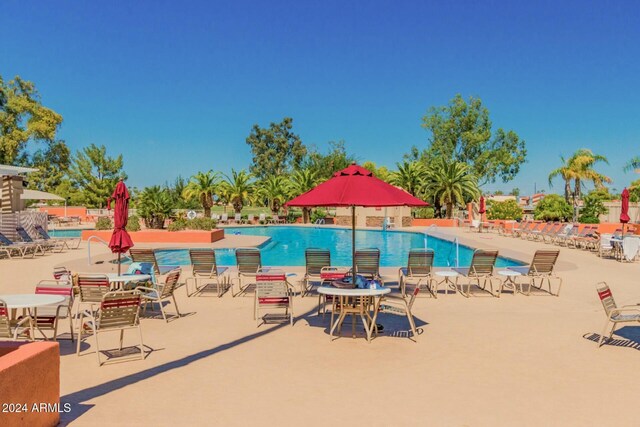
[[271, 278], [332, 276], [274, 300], [53, 291], [115, 303], [604, 294]]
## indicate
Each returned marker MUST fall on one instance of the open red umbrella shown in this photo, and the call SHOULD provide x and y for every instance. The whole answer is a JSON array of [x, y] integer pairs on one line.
[[120, 240], [355, 186], [624, 213]]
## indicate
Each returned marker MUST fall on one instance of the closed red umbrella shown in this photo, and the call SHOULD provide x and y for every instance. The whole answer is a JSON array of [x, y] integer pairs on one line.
[[120, 240], [355, 186], [624, 213], [482, 209]]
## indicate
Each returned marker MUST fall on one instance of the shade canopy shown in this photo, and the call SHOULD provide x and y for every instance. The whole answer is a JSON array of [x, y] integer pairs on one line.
[[355, 186], [120, 240], [624, 213], [39, 195]]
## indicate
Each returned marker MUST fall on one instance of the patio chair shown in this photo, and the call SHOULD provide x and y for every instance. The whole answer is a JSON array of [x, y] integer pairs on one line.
[[45, 244], [224, 219], [163, 291], [48, 317], [605, 247], [541, 267], [570, 232], [572, 241], [205, 268], [275, 219], [263, 218], [22, 249], [248, 261], [588, 239], [367, 262], [237, 218], [273, 292], [538, 231], [419, 268], [480, 270], [250, 219], [62, 274], [553, 233], [10, 329], [315, 260], [517, 232], [91, 288], [615, 315], [399, 306], [118, 312], [145, 255], [69, 242]]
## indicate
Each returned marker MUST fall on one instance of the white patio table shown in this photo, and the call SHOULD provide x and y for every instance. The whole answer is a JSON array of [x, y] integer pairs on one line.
[[359, 308], [30, 302]]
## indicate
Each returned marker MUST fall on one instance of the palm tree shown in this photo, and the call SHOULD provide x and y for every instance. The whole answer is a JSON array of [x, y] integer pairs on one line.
[[301, 182], [154, 206], [582, 162], [202, 187], [274, 190], [634, 163], [409, 176], [237, 189], [450, 183], [567, 173]]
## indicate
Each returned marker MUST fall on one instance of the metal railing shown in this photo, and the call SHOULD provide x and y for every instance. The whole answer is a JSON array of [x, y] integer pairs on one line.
[[89, 246]]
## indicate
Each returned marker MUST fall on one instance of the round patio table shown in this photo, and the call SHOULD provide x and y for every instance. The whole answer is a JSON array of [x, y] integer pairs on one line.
[[120, 280], [509, 281], [29, 302], [448, 283], [347, 307]]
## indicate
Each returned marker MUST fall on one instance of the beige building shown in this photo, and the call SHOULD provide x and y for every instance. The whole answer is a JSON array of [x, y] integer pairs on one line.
[[399, 216]]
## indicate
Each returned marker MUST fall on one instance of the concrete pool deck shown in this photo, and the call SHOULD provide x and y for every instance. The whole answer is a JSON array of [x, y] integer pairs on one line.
[[481, 361]]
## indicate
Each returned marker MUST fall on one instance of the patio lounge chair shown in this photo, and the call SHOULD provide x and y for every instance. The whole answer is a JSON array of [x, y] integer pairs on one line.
[[163, 291], [571, 231], [517, 231], [555, 230], [12, 249], [205, 268], [398, 305], [541, 267], [10, 329], [275, 219], [615, 315], [69, 243], [273, 292], [145, 255], [237, 218], [45, 244], [119, 311], [571, 242], [224, 219], [419, 268], [262, 218], [537, 231], [367, 262], [250, 219], [249, 262], [605, 247], [48, 317], [480, 270]]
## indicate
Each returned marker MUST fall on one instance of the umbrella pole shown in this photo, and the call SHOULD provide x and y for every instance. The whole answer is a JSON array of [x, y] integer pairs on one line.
[[119, 266], [353, 244]]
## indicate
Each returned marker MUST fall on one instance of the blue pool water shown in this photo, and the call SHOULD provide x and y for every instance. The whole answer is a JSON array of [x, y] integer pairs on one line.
[[65, 233], [287, 244]]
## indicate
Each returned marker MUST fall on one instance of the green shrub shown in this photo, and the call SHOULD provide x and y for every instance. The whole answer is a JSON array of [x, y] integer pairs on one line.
[[104, 223], [593, 207], [424, 213], [509, 209], [201, 224], [553, 208], [178, 225], [133, 224]]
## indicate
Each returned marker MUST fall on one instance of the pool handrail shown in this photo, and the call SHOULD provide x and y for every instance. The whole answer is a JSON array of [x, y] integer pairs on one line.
[[89, 246]]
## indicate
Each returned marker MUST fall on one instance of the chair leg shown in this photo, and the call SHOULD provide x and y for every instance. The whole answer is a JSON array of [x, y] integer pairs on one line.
[[70, 324], [164, 316], [121, 338], [175, 303], [141, 343], [602, 335], [79, 336], [95, 334]]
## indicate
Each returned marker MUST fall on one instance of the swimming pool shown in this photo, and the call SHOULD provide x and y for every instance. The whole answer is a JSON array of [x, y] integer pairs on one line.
[[286, 246], [66, 232]]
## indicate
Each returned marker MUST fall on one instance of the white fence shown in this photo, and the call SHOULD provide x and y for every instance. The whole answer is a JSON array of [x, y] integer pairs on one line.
[[614, 212]]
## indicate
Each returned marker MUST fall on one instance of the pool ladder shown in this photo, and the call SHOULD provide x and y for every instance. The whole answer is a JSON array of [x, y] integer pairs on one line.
[[89, 246]]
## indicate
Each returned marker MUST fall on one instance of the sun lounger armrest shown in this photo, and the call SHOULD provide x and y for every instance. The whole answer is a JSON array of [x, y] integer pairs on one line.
[[621, 310]]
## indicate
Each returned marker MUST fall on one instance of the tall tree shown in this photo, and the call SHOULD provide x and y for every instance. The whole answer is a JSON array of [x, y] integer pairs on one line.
[[632, 164], [202, 187], [409, 176], [583, 162], [302, 181], [23, 118], [96, 174], [380, 172], [52, 161], [450, 183], [324, 165], [568, 175], [462, 132], [276, 149], [237, 188]]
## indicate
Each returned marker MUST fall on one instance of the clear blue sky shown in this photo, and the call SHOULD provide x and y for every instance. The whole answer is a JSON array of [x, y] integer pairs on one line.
[[176, 86]]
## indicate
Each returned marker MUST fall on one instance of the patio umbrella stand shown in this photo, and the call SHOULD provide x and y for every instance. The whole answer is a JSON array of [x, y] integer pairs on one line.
[[120, 240]]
